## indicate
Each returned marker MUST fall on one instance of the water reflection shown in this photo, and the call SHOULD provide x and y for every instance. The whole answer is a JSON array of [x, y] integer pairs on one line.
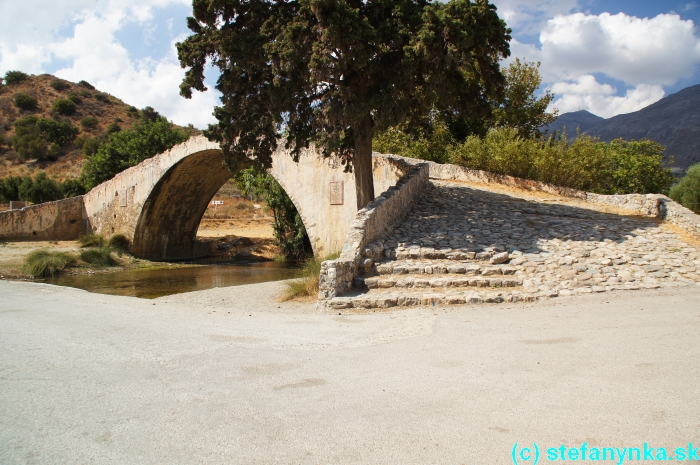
[[150, 284]]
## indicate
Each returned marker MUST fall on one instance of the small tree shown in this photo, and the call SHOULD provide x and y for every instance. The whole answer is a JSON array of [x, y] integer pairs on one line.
[[59, 84], [332, 72], [15, 77], [63, 106], [520, 108], [41, 189], [25, 102]]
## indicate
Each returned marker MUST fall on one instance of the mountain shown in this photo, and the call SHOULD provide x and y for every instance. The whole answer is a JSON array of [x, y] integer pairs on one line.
[[673, 121], [576, 119], [95, 115]]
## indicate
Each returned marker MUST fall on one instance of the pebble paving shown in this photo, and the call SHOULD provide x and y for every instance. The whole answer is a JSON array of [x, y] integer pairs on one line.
[[463, 243]]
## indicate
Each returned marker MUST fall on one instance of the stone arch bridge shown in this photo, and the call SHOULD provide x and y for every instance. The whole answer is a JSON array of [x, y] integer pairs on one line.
[[159, 203]]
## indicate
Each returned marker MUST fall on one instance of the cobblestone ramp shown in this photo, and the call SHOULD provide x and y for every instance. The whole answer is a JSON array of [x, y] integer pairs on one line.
[[462, 244]]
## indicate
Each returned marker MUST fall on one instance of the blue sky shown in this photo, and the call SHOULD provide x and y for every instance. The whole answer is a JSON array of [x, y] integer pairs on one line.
[[605, 56]]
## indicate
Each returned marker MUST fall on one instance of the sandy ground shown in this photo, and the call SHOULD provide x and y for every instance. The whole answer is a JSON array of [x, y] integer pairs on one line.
[[232, 376], [252, 228]]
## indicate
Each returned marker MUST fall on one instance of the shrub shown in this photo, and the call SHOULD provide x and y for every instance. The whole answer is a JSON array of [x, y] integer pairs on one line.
[[40, 190], [112, 128], [46, 263], [75, 98], [25, 102], [132, 111], [59, 132], [120, 244], [15, 77], [91, 240], [98, 256], [91, 146], [64, 106], [687, 190], [149, 114], [27, 140], [89, 122], [618, 167], [85, 94], [59, 84], [102, 97], [9, 188], [86, 85], [72, 188], [130, 147]]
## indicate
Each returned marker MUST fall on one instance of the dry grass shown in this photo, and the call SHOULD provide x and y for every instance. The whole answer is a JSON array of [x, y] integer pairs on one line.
[[45, 263], [306, 287]]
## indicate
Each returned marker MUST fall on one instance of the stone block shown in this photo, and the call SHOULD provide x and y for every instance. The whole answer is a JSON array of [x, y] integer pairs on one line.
[[372, 283], [408, 301], [341, 302], [499, 258], [432, 299]]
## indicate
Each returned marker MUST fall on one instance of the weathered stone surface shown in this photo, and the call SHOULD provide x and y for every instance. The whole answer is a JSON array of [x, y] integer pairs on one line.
[[500, 258]]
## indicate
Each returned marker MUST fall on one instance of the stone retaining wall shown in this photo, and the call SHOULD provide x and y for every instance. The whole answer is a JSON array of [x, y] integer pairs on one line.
[[61, 220], [654, 205], [373, 221]]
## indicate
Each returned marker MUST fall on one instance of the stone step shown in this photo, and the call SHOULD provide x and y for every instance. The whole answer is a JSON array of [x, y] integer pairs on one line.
[[384, 299], [441, 281], [444, 267]]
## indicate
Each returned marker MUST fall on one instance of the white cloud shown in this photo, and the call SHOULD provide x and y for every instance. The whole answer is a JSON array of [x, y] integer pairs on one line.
[[586, 93], [655, 51], [528, 16], [93, 53]]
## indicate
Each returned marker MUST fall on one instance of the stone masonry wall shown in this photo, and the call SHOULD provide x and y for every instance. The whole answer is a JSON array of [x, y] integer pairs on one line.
[[61, 220], [371, 222]]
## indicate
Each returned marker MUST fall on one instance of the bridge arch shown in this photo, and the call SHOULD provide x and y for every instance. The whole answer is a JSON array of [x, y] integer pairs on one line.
[[159, 203]]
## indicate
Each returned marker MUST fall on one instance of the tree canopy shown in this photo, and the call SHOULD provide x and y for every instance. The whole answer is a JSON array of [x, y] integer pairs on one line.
[[332, 72]]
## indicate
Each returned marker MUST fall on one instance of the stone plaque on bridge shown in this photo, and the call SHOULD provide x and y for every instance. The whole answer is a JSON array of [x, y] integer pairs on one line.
[[336, 193]]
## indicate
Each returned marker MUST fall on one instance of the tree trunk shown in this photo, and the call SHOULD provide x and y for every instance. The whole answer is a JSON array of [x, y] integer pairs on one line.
[[362, 162]]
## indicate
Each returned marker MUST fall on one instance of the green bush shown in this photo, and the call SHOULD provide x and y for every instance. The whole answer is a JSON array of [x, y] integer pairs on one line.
[[130, 147], [25, 102], [98, 256], [120, 244], [75, 98], [618, 167], [102, 97], [132, 111], [72, 188], [59, 84], [64, 106], [86, 85], [89, 122], [9, 188], [28, 141], [15, 77], [91, 240], [59, 132], [39, 190], [112, 128], [687, 191], [45, 263]]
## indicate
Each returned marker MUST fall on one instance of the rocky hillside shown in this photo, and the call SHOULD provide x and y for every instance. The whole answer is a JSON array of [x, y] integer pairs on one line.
[[88, 112], [673, 121]]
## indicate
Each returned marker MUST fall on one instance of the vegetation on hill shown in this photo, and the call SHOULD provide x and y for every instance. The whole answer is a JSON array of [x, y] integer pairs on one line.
[[59, 139], [50, 124]]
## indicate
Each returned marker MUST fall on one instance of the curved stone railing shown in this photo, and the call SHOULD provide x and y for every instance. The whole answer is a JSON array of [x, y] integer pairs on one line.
[[371, 222]]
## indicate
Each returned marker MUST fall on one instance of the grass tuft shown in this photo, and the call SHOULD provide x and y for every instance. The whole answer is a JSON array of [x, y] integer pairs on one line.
[[98, 256], [91, 240], [307, 284], [120, 244], [45, 263]]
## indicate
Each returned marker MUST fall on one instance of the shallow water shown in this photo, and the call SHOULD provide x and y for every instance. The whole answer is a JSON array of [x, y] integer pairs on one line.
[[150, 284]]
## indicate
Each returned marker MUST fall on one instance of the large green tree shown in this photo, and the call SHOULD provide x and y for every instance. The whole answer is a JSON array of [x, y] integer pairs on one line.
[[332, 72]]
